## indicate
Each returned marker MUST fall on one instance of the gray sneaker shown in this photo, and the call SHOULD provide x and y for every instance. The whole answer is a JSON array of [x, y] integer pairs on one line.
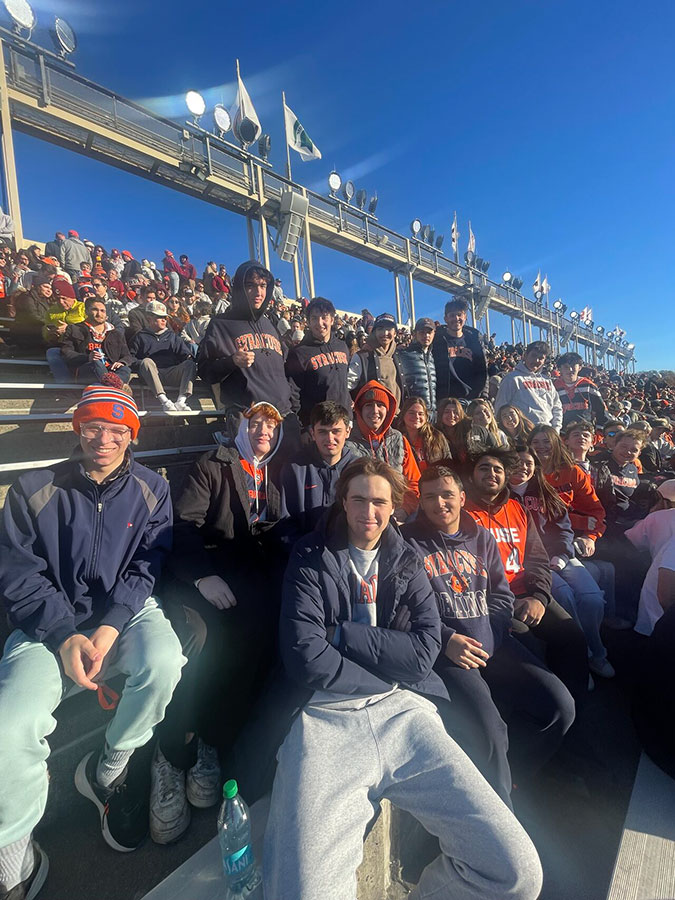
[[169, 810], [203, 779]]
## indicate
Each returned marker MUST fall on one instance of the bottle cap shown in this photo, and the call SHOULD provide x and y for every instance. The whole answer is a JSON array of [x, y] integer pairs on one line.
[[230, 789]]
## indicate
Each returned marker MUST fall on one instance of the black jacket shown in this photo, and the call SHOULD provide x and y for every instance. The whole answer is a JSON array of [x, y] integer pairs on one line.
[[460, 364], [76, 348], [242, 328], [317, 371], [212, 532]]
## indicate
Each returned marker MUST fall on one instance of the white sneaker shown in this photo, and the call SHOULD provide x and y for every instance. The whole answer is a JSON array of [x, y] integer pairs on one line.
[[182, 405], [601, 667], [203, 779], [169, 810], [167, 405]]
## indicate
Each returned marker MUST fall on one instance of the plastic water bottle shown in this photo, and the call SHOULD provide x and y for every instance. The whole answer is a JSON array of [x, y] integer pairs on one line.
[[234, 832]]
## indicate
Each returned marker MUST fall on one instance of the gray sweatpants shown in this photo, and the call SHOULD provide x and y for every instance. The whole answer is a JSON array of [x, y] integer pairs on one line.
[[339, 760]]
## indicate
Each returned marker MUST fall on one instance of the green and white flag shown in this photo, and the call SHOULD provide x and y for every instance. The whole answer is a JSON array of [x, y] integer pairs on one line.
[[297, 137]]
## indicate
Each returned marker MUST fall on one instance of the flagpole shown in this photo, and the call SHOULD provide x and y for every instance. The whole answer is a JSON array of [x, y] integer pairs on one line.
[[288, 146]]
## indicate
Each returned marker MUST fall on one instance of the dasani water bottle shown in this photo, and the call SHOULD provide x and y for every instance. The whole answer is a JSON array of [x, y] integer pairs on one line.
[[234, 832]]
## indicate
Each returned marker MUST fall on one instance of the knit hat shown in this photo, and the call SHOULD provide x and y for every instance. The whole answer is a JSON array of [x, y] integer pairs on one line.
[[108, 405], [127, 254], [73, 233], [372, 395], [667, 489], [384, 320], [63, 288]]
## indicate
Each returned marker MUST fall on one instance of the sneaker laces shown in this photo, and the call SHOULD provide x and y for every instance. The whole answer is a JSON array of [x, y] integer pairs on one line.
[[207, 760], [168, 779]]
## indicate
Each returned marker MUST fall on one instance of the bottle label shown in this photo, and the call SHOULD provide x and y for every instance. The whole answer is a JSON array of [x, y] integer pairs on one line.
[[238, 862]]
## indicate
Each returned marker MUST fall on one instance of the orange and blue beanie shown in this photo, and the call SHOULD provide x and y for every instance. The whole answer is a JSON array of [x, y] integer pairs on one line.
[[107, 405]]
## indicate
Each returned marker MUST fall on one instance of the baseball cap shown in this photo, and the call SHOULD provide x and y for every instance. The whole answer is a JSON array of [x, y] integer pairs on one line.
[[423, 323], [384, 320], [155, 308]]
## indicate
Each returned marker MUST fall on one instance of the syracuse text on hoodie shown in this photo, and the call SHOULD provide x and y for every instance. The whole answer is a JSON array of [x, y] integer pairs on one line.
[[533, 394]]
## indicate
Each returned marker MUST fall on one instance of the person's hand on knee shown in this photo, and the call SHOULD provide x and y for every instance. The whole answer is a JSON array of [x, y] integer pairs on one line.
[[214, 589], [79, 656]]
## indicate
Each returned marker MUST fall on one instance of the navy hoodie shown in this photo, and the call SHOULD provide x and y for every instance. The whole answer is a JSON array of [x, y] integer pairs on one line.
[[467, 577], [243, 328], [318, 372], [165, 349]]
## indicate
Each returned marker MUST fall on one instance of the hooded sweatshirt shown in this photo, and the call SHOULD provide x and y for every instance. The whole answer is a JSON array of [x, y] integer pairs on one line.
[[533, 394], [317, 371], [467, 576], [525, 560], [371, 363], [460, 364], [255, 471], [243, 328], [386, 444]]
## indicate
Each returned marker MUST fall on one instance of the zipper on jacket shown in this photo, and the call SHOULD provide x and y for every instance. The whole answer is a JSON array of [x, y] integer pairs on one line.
[[96, 539]]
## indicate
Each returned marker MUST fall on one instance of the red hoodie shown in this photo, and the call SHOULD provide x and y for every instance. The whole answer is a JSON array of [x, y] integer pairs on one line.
[[587, 514]]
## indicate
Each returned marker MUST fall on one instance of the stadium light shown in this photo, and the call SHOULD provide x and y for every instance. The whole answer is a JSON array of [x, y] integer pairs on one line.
[[600, 329], [348, 191], [334, 183], [538, 295], [361, 197], [196, 104], [425, 233], [432, 236], [485, 265], [506, 277], [574, 315], [21, 13], [517, 283], [63, 37], [478, 263], [372, 206], [630, 347], [221, 119], [469, 257], [264, 146], [559, 306], [415, 227], [439, 241]]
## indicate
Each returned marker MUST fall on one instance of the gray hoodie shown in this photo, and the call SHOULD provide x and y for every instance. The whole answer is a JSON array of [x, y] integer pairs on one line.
[[533, 394]]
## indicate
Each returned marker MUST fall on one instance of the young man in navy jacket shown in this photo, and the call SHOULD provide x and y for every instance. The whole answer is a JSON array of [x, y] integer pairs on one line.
[[309, 480], [464, 567], [359, 632], [82, 546]]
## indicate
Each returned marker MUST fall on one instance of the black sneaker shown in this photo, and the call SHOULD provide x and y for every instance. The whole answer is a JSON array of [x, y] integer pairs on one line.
[[29, 888], [124, 817]]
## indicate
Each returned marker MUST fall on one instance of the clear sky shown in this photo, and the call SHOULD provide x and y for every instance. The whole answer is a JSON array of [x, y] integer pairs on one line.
[[548, 124]]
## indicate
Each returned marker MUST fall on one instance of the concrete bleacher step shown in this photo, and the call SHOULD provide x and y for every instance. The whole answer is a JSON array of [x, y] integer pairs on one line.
[[645, 863]]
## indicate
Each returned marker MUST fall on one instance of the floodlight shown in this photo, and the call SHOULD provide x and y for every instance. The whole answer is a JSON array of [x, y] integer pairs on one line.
[[558, 305], [63, 37], [485, 266], [221, 118], [439, 241], [506, 277], [600, 329], [195, 103], [589, 324], [334, 182], [425, 233], [538, 295], [469, 257], [478, 262], [348, 191], [21, 14], [631, 346], [415, 227], [574, 315], [264, 146], [432, 236], [361, 197], [372, 206], [517, 283]]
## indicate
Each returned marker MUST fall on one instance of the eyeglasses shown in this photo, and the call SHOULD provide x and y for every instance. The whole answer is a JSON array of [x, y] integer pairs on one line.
[[93, 431]]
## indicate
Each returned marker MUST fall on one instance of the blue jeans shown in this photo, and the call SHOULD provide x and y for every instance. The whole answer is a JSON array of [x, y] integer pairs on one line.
[[580, 595], [92, 372], [58, 366], [603, 573]]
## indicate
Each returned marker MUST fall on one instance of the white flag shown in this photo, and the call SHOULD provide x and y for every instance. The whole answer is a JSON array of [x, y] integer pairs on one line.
[[297, 137], [545, 286], [586, 315], [472, 240], [454, 234], [245, 122], [537, 282]]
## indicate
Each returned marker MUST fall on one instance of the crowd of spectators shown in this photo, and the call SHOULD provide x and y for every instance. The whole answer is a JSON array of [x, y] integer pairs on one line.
[[413, 540]]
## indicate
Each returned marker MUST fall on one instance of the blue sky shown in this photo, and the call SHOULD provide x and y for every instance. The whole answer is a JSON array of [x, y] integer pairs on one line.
[[548, 124]]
